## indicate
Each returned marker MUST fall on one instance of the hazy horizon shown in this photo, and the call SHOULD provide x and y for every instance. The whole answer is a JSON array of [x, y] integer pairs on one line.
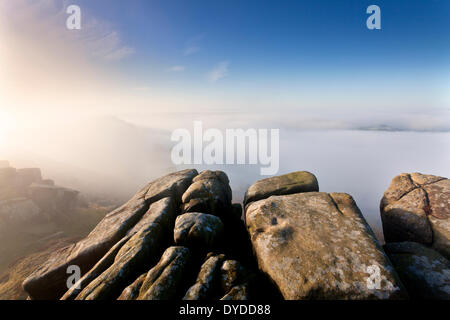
[[95, 108], [122, 157]]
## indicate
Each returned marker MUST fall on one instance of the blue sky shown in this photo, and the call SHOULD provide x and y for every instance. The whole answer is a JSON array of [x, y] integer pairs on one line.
[[253, 55], [282, 38], [293, 65], [283, 46]]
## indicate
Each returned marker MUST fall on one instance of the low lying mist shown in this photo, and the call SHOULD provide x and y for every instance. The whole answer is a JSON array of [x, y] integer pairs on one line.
[[113, 157]]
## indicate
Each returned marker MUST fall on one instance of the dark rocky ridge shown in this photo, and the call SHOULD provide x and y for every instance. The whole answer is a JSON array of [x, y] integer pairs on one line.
[[180, 237]]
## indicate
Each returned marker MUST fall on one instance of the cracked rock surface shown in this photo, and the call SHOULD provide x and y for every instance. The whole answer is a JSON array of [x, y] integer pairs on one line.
[[416, 208]]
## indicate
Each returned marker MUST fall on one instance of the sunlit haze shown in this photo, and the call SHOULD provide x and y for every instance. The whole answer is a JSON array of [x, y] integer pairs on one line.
[[102, 101]]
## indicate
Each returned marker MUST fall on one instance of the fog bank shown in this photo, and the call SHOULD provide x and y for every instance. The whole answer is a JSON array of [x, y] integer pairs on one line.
[[112, 157]]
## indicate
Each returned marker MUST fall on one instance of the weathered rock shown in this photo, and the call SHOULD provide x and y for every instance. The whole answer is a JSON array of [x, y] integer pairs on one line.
[[416, 208], [163, 281], [239, 292], [309, 245], [235, 280], [14, 183], [216, 175], [441, 236], [439, 207], [424, 272], [53, 200], [172, 185], [108, 258], [136, 255], [49, 280], [406, 219], [209, 175], [209, 192], [206, 283], [232, 274], [200, 205], [295, 182], [318, 246], [198, 229], [53, 203], [132, 291], [97, 270]]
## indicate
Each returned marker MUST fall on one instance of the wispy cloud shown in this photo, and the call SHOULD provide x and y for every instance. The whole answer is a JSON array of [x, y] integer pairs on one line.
[[191, 50], [120, 53], [102, 40], [97, 38], [176, 69], [192, 45], [220, 71]]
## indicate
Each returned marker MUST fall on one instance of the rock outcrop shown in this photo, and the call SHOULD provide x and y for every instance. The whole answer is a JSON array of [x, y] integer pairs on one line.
[[15, 182], [49, 281], [416, 208], [295, 182], [97, 270], [318, 246], [198, 229], [210, 192], [27, 198], [232, 274], [207, 280], [119, 258], [51, 199], [180, 237], [164, 281], [415, 211], [136, 255], [424, 272], [132, 291]]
